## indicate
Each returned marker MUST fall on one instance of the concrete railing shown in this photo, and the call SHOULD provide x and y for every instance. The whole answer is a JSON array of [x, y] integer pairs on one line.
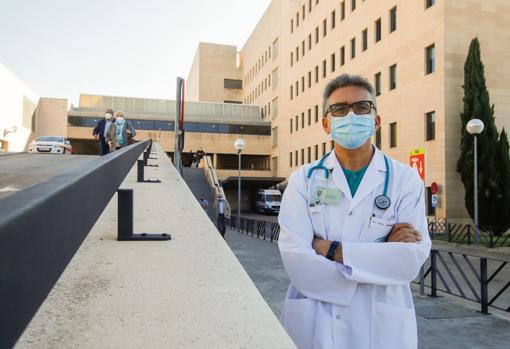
[[189, 292], [212, 179]]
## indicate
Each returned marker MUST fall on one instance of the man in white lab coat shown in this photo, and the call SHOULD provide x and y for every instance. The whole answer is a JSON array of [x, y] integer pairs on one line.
[[353, 234]]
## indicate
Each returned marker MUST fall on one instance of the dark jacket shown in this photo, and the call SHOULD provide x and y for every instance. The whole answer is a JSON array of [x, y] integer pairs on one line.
[[99, 130]]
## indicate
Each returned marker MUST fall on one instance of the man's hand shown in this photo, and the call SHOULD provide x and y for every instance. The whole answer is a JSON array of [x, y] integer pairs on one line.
[[321, 246], [403, 232]]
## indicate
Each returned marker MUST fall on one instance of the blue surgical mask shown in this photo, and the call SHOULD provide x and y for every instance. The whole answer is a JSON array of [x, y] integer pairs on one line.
[[352, 131]]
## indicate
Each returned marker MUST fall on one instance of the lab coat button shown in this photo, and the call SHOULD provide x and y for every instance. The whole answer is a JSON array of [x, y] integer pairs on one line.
[[350, 213], [338, 317]]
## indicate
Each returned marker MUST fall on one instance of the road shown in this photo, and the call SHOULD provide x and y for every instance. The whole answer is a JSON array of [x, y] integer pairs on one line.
[[23, 170]]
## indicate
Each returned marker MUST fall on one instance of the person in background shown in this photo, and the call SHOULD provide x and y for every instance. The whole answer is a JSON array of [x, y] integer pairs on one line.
[[123, 130], [103, 134], [204, 203], [222, 215]]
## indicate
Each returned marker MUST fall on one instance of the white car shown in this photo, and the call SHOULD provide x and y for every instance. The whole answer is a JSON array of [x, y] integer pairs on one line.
[[51, 144]]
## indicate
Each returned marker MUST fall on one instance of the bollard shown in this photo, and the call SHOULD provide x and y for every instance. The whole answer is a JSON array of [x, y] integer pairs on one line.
[[140, 173], [125, 220], [433, 273], [484, 289]]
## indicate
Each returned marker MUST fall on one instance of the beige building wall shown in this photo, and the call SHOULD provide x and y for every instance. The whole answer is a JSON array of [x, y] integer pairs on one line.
[[213, 64], [17, 114], [51, 117], [466, 19]]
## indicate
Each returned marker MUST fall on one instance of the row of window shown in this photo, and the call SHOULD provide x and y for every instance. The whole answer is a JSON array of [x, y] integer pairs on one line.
[[430, 134], [155, 125], [252, 72], [303, 14], [294, 123], [266, 109], [301, 50]]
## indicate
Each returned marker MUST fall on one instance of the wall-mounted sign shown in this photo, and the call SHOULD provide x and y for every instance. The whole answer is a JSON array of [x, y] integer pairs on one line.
[[417, 161]]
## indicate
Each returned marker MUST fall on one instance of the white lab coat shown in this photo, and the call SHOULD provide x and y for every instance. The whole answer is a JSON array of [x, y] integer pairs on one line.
[[365, 302]]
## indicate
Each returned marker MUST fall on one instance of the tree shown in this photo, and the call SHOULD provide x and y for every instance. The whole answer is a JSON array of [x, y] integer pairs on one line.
[[493, 156]]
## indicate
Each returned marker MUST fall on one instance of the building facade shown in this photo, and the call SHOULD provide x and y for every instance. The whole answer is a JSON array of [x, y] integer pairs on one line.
[[413, 52]]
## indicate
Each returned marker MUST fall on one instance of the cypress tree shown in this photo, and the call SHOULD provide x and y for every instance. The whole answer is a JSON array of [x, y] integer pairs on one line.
[[490, 175], [502, 215]]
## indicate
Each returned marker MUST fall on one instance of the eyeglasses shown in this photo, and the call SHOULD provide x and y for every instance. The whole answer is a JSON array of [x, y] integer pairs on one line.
[[342, 109]]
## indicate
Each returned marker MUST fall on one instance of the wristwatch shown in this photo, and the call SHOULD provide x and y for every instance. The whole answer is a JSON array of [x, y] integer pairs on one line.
[[332, 250]]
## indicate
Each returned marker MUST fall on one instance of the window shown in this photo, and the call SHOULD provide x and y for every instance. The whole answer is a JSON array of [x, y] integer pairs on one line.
[[297, 88], [324, 27], [296, 160], [342, 11], [296, 123], [309, 116], [430, 126], [276, 48], [393, 19], [378, 138], [302, 120], [275, 78], [274, 166], [316, 113], [333, 62], [309, 153], [324, 68], [275, 108], [342, 55], [393, 77], [393, 135], [430, 59], [290, 158], [303, 12], [353, 5], [291, 125], [302, 156], [303, 48], [233, 84], [333, 19], [364, 35], [309, 79], [316, 157], [302, 84], [309, 42], [291, 59], [297, 19], [378, 84], [291, 94], [275, 137], [353, 48], [378, 30], [297, 53], [429, 3], [324, 148], [309, 6], [316, 74], [316, 35]]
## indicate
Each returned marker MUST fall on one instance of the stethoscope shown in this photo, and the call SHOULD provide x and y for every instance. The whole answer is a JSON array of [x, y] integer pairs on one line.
[[382, 201]]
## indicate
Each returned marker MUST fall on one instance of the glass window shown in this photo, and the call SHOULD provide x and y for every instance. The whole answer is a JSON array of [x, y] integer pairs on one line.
[[333, 19], [316, 35], [353, 5], [164, 125], [430, 123], [316, 152], [378, 84], [302, 156], [393, 135], [309, 42], [324, 27], [291, 128], [302, 120], [296, 122], [276, 48], [303, 48], [378, 30], [342, 11], [233, 84], [291, 92], [393, 19], [333, 62], [323, 148], [393, 77], [309, 79], [316, 113], [364, 35], [353, 48], [275, 107], [297, 88], [324, 68], [378, 138], [296, 159], [429, 3], [430, 57], [290, 159], [309, 116], [275, 137], [302, 84], [342, 55], [297, 53], [316, 74], [309, 153]]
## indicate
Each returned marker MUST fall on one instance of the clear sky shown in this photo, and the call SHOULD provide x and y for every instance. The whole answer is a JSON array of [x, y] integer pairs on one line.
[[61, 48]]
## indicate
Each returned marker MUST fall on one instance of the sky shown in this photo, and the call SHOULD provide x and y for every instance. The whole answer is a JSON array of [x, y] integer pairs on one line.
[[135, 48]]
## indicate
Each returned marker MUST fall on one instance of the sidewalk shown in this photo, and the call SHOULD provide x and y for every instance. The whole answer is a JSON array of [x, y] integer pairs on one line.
[[444, 322]]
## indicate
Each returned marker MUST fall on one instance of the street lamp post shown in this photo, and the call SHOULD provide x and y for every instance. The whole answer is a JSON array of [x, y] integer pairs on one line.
[[475, 127], [239, 144]]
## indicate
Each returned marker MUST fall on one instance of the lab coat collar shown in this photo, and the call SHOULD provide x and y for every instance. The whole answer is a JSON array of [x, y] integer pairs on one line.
[[373, 177]]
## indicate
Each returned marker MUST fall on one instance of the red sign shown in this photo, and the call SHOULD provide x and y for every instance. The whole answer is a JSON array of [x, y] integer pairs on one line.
[[434, 188], [417, 161]]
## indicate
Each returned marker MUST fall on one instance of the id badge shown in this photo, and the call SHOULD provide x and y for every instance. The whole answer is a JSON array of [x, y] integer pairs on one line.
[[324, 194]]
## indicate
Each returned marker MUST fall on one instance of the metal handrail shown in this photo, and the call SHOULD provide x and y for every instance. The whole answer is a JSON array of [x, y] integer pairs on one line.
[[42, 227]]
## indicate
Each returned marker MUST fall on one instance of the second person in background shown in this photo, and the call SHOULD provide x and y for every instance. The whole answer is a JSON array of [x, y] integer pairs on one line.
[[124, 131]]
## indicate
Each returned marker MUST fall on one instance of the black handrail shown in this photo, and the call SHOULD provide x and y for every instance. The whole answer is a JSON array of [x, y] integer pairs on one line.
[[42, 227]]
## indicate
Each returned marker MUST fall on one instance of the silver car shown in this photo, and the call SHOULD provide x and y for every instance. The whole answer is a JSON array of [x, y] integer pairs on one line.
[[51, 144]]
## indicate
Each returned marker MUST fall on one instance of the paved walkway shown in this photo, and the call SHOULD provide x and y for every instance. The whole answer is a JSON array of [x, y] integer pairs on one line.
[[444, 322]]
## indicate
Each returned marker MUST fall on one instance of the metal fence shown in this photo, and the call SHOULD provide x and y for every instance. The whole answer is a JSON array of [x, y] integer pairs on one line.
[[477, 278], [442, 229], [42, 227]]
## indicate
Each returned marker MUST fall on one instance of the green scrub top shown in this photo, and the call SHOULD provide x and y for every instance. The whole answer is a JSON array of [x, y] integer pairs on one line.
[[354, 178]]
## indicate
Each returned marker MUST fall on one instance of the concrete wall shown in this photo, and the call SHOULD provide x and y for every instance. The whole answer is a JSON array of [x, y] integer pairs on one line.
[[51, 117], [17, 113], [466, 19]]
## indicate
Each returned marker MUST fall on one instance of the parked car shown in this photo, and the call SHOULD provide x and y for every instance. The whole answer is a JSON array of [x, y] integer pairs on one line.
[[51, 144], [268, 201]]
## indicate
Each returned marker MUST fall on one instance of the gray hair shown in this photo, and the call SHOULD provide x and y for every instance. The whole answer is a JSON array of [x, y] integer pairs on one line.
[[345, 80]]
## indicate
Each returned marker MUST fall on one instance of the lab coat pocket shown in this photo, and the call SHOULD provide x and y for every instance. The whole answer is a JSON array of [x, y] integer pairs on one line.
[[379, 229], [317, 217], [299, 321], [393, 326]]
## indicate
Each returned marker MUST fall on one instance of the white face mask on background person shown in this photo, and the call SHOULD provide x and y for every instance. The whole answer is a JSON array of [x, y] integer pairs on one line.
[[108, 116]]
